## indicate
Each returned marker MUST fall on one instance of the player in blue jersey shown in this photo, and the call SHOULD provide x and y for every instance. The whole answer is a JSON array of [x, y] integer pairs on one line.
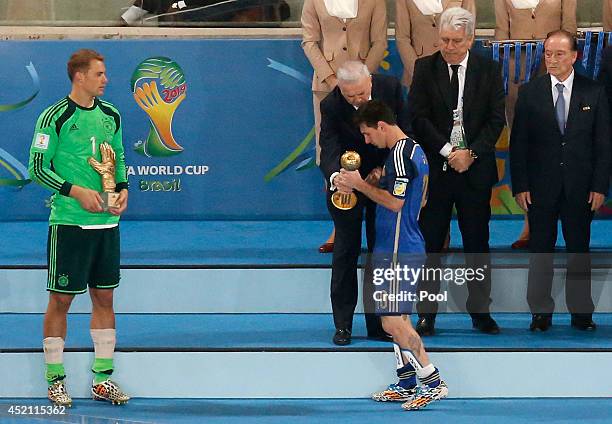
[[399, 251]]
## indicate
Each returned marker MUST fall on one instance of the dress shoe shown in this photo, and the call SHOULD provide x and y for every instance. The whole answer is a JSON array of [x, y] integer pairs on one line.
[[425, 326], [485, 324], [342, 337], [381, 337], [540, 322], [520, 244], [584, 324], [326, 248]]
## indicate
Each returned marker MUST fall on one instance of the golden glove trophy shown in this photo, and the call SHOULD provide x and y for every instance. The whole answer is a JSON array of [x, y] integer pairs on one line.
[[350, 161], [106, 169]]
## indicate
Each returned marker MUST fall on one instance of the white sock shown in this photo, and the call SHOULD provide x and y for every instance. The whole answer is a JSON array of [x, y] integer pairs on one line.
[[425, 371], [104, 342], [54, 350], [133, 14]]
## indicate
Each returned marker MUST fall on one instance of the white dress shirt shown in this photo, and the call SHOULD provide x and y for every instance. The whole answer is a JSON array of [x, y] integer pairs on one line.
[[446, 150], [343, 9], [525, 4], [567, 91], [429, 7]]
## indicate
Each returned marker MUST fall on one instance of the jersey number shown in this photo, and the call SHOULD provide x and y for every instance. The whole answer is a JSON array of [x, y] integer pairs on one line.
[[424, 196], [425, 184]]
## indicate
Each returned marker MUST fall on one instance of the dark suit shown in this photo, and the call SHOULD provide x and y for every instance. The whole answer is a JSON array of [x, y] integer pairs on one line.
[[559, 171], [339, 134], [431, 116]]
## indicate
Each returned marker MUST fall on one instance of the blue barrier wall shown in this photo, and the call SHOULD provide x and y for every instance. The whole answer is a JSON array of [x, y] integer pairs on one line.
[[245, 126], [247, 107]]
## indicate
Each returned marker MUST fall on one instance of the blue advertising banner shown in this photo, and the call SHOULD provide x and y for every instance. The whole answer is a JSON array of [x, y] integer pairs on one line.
[[212, 128]]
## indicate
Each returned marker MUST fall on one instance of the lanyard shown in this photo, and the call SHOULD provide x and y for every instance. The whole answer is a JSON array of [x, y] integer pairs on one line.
[[528, 61], [506, 66]]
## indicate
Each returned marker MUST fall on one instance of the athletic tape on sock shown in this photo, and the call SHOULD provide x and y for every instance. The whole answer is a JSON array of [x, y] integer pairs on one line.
[[54, 350], [399, 360], [412, 359], [425, 372], [104, 342]]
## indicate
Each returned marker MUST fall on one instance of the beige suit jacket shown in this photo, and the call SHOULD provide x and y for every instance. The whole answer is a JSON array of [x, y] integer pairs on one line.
[[525, 24], [607, 15], [417, 35], [328, 42]]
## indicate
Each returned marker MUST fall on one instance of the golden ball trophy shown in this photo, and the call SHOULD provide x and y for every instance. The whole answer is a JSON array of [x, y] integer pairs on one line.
[[351, 161]]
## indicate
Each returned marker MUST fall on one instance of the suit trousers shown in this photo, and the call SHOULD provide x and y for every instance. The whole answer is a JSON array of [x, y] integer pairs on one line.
[[473, 214], [317, 98], [576, 220], [347, 248]]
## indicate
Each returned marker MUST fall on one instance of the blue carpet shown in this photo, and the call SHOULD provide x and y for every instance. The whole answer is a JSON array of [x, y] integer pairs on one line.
[[296, 331], [455, 411], [231, 242]]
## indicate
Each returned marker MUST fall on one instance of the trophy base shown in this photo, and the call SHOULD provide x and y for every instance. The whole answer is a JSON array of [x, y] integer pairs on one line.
[[109, 201], [344, 201]]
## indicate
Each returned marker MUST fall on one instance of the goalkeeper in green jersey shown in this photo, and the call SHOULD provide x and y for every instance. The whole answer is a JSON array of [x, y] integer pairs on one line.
[[76, 148]]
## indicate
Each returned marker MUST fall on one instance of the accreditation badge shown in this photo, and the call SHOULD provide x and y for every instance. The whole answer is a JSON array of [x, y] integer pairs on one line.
[[457, 137]]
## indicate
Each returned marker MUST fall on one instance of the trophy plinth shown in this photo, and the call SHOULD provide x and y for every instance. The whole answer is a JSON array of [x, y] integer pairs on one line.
[[109, 200], [351, 161]]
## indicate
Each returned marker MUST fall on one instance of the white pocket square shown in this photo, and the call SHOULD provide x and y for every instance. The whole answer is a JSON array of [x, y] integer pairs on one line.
[[586, 107]]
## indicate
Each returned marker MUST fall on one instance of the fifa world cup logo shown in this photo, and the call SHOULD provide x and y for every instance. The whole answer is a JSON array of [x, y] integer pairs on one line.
[[159, 88]]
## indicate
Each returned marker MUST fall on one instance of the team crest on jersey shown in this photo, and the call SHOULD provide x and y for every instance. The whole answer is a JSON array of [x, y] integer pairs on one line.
[[399, 189], [109, 126], [42, 141]]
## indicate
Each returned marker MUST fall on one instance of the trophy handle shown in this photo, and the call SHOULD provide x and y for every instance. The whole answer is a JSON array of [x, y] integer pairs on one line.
[[344, 201]]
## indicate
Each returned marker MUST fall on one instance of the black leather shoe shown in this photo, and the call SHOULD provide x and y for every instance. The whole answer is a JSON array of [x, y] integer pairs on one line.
[[584, 324], [342, 337], [381, 337], [485, 324], [425, 326], [540, 322]]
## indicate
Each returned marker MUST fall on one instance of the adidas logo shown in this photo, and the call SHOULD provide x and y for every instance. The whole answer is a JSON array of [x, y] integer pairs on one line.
[[74, 127]]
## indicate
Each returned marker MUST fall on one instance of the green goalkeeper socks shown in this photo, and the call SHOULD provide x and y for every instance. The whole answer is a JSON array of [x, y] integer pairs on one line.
[[102, 369], [54, 373]]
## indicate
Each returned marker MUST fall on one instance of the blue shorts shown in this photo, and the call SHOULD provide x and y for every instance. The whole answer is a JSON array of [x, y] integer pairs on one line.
[[394, 282]]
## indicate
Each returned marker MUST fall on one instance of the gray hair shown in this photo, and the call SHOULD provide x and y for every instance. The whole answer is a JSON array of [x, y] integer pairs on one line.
[[352, 71], [456, 18]]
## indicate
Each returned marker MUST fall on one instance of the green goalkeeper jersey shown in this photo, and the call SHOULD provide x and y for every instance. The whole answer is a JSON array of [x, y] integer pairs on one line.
[[66, 136]]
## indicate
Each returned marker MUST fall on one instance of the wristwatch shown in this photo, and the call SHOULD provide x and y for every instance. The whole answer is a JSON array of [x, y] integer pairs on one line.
[[473, 154]]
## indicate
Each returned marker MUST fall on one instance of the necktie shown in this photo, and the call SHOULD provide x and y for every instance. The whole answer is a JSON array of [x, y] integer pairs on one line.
[[454, 86], [560, 108]]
